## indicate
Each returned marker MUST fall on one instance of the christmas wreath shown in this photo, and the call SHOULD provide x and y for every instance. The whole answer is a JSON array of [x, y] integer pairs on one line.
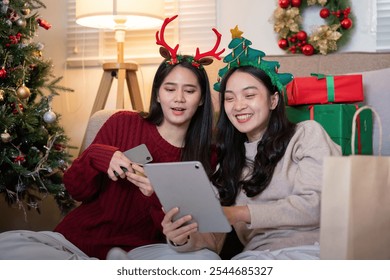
[[323, 39]]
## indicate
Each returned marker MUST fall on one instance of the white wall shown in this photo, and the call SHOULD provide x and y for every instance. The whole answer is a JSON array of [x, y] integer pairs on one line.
[[252, 17]]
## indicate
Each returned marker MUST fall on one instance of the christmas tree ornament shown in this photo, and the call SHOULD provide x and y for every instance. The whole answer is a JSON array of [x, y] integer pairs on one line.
[[43, 23], [251, 57], [40, 46], [23, 92], [20, 159], [17, 109], [12, 15], [5, 137], [3, 73], [37, 53], [326, 38], [49, 117], [2, 95], [21, 22], [4, 8], [26, 9]]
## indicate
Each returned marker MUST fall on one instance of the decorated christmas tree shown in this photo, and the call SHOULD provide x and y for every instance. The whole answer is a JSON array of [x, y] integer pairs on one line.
[[33, 145], [243, 55]]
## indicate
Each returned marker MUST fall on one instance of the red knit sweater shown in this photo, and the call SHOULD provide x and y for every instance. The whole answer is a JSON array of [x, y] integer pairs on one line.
[[114, 214]]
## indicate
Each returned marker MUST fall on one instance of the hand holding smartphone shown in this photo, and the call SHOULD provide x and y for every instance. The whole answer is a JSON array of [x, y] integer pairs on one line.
[[139, 155]]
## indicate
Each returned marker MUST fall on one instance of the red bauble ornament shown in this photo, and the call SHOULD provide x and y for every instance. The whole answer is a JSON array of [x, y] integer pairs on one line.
[[293, 39], [284, 4], [283, 44], [346, 23], [16, 110], [3, 73], [302, 35], [324, 13], [307, 49], [296, 3]]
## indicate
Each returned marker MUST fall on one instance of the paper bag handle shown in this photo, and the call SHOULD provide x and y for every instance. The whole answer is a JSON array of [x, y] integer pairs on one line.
[[354, 128]]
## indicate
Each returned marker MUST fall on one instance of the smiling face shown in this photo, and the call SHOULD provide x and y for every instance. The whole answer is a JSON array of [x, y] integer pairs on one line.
[[248, 104], [179, 96]]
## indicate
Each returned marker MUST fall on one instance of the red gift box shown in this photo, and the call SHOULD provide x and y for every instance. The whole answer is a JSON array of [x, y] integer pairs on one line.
[[323, 89]]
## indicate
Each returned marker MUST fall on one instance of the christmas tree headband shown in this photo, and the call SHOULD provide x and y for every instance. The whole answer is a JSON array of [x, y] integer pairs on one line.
[[243, 55], [198, 61]]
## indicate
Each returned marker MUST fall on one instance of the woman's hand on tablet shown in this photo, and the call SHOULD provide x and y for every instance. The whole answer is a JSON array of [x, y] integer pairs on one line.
[[177, 232]]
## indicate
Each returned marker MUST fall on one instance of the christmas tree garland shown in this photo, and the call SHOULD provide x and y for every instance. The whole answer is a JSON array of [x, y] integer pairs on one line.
[[325, 38]]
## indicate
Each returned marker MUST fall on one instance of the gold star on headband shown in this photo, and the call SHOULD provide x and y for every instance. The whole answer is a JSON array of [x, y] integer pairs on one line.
[[236, 33]]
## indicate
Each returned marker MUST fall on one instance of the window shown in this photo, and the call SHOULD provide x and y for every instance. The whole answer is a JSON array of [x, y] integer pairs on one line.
[[383, 25], [192, 29]]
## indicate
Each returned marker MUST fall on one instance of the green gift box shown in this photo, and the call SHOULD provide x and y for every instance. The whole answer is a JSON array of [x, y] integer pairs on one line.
[[336, 119]]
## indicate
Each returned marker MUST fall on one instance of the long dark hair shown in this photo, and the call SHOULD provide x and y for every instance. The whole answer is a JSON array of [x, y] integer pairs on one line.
[[198, 138], [231, 150]]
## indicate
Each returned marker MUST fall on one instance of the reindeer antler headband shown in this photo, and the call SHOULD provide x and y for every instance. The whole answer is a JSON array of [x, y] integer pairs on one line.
[[199, 60]]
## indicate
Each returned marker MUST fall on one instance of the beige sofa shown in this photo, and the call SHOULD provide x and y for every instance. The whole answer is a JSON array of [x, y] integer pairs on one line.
[[375, 68]]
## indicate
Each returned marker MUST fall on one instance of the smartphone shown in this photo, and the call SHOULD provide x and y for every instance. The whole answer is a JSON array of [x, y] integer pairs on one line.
[[139, 155]]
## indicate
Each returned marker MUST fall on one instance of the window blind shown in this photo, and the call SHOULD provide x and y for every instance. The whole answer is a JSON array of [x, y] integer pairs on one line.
[[192, 29], [383, 25]]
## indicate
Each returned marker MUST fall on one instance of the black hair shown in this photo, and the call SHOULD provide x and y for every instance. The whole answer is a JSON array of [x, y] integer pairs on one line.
[[199, 134], [231, 149]]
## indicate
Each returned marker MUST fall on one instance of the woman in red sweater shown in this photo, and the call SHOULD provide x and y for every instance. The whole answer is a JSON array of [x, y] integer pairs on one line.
[[123, 211]]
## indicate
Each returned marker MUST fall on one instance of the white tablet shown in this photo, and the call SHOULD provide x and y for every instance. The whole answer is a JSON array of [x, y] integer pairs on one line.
[[185, 185]]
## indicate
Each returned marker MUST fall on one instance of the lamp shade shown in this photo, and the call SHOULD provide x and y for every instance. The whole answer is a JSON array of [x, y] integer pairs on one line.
[[120, 14]]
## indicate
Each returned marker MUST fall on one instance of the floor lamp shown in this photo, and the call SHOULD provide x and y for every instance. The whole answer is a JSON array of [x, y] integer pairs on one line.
[[119, 15]]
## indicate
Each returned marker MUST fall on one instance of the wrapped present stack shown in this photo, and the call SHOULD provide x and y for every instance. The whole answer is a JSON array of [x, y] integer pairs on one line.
[[332, 101]]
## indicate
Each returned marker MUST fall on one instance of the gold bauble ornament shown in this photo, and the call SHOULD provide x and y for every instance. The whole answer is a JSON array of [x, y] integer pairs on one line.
[[1, 95], [37, 53], [25, 11], [23, 92]]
